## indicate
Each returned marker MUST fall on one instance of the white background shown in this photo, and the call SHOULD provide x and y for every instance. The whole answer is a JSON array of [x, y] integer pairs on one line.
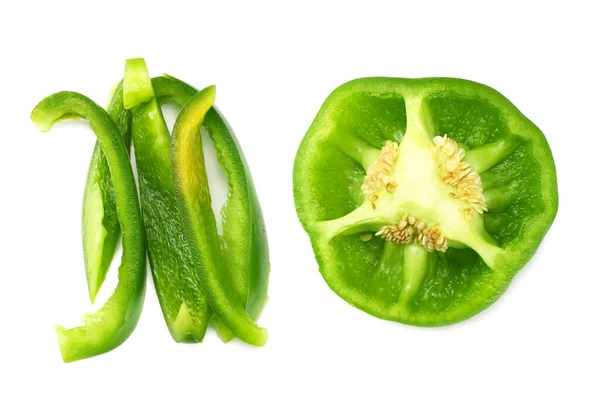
[[273, 65]]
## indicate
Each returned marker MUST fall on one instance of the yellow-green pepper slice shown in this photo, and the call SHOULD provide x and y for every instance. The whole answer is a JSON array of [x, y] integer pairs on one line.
[[191, 186]]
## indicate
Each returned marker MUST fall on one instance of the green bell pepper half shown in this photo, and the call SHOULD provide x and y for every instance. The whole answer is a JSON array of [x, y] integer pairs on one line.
[[116, 320], [243, 240], [413, 226], [100, 226], [191, 186], [176, 277]]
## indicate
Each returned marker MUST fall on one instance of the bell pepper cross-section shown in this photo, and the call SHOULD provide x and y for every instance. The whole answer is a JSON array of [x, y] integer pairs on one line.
[[423, 198]]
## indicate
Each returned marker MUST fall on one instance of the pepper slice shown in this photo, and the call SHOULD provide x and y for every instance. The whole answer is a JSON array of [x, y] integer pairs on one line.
[[100, 226], [114, 322], [176, 276], [423, 197], [191, 185], [243, 239]]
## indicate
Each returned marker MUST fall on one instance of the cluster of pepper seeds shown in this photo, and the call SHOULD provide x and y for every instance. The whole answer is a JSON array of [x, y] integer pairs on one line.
[[459, 174], [379, 175], [410, 230], [455, 172]]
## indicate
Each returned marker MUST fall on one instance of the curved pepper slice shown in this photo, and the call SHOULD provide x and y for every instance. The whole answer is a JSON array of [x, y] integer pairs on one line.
[[100, 226], [244, 240], [423, 198], [176, 277], [114, 322], [191, 186]]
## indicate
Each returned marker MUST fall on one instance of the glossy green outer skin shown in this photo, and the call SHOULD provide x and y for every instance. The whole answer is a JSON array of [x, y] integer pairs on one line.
[[191, 184], [116, 320], [98, 173], [176, 276], [244, 240], [519, 240]]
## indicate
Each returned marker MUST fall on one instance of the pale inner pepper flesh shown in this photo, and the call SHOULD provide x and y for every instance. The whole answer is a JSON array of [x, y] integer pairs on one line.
[[425, 193]]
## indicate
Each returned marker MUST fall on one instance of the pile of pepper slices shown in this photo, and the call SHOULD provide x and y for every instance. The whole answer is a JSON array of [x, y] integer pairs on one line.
[[203, 274]]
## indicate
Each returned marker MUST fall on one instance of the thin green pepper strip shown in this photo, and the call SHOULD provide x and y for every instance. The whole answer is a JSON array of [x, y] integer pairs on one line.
[[116, 320], [176, 277], [100, 226], [191, 184], [244, 240]]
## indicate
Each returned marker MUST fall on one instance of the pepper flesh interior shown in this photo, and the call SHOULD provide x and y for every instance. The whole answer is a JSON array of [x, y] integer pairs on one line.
[[421, 191]]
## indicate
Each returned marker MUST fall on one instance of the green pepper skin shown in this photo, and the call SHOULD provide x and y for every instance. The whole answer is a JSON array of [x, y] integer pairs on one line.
[[116, 320], [520, 180], [100, 226], [176, 276], [191, 184], [244, 240]]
